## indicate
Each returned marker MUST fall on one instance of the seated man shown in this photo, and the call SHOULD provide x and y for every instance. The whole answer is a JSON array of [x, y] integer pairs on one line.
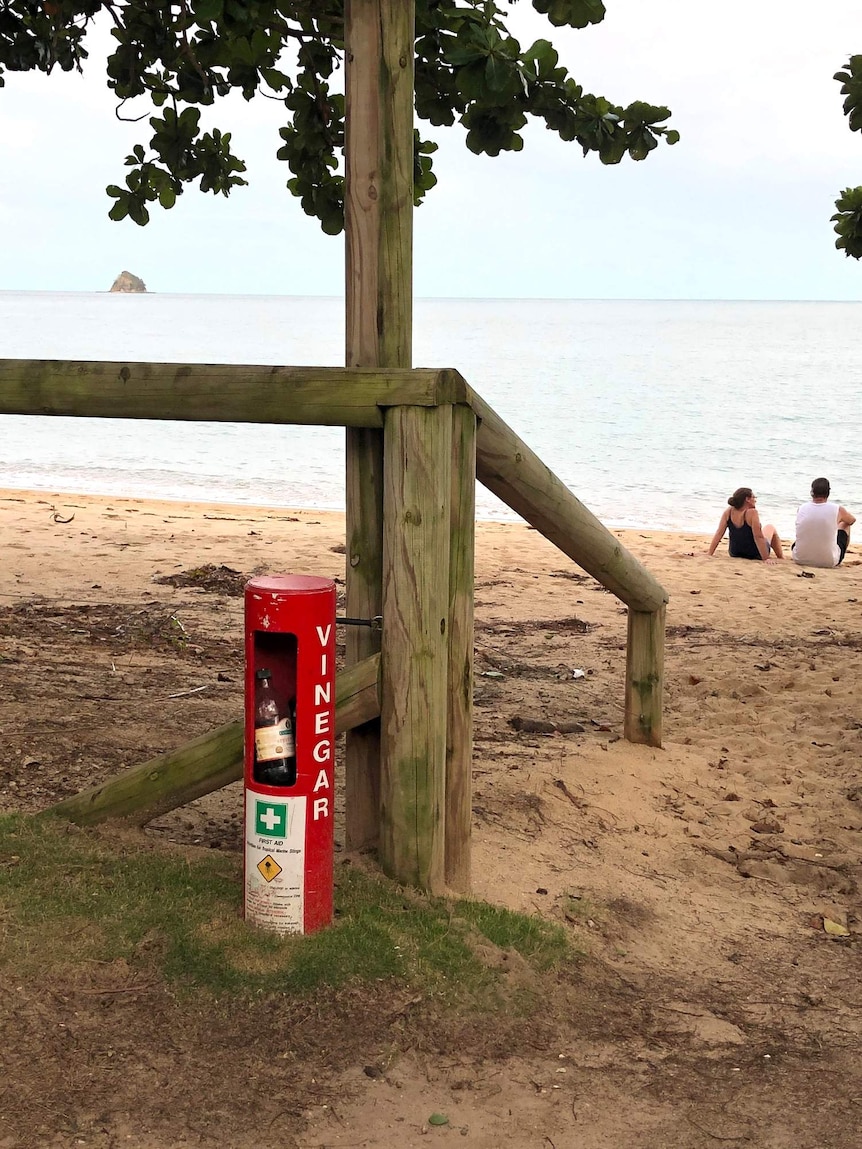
[[822, 529]]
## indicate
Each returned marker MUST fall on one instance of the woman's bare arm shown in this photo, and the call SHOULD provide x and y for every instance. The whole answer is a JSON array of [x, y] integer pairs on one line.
[[719, 534]]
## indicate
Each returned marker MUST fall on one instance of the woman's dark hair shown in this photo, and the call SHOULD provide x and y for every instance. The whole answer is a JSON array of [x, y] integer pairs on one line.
[[737, 499]]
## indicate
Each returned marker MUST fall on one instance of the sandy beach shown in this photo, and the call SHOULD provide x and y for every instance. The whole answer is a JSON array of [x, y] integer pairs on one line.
[[718, 875]]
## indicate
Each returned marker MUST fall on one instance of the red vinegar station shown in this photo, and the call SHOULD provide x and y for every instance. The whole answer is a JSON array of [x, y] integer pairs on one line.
[[289, 752]]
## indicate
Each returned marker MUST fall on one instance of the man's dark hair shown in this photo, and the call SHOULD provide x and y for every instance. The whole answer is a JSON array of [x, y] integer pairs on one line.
[[820, 489]]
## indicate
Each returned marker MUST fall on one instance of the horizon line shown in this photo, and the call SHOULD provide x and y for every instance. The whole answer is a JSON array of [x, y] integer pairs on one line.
[[427, 298]]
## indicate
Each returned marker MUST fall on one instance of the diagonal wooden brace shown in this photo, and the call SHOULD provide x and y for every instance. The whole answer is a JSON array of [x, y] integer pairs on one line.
[[214, 760]]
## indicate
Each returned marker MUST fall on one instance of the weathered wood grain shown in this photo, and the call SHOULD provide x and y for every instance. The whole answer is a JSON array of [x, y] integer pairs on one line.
[[325, 396], [379, 36], [414, 668], [645, 676], [459, 702]]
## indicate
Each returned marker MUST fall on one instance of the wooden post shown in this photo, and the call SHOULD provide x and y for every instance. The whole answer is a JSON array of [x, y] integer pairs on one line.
[[459, 726], [644, 676], [414, 664], [379, 52]]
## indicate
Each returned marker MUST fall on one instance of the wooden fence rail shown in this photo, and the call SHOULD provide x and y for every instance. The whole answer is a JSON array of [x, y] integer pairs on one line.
[[333, 396], [324, 396], [414, 798]]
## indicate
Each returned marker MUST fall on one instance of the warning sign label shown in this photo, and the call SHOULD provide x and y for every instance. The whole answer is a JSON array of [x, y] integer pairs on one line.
[[270, 868], [275, 861]]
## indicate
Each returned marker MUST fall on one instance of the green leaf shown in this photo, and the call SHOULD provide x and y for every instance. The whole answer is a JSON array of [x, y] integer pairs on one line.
[[544, 55], [138, 212], [472, 80], [276, 79], [119, 211], [497, 74], [332, 224], [207, 11], [573, 13], [848, 222], [641, 113]]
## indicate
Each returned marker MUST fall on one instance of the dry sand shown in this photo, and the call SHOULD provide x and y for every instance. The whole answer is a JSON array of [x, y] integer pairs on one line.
[[700, 874]]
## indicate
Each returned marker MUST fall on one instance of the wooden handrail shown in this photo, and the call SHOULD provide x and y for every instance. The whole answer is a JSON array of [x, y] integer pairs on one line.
[[323, 396]]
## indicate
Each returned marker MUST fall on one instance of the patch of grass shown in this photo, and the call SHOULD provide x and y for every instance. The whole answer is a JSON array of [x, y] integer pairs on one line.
[[71, 897], [531, 937]]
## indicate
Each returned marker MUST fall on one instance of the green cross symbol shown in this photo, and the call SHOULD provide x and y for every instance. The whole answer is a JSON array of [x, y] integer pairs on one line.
[[270, 819]]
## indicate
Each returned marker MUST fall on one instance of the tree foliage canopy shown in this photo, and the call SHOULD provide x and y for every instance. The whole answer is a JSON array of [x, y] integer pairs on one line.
[[848, 218], [180, 55]]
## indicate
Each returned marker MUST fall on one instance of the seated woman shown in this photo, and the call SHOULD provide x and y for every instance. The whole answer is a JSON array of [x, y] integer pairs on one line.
[[748, 539]]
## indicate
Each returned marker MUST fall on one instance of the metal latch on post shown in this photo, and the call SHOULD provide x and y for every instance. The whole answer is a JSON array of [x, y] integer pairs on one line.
[[376, 623]]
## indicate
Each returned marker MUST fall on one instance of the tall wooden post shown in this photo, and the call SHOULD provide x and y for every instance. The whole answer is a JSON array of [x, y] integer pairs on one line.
[[379, 53]]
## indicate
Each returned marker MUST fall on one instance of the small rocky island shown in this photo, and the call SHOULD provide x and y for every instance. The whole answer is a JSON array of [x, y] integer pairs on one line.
[[125, 281]]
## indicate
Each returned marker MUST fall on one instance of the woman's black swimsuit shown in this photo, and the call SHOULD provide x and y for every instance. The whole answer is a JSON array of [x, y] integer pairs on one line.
[[741, 544]]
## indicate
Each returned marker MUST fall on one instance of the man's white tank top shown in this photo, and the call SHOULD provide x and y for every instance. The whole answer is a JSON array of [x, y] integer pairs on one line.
[[817, 535]]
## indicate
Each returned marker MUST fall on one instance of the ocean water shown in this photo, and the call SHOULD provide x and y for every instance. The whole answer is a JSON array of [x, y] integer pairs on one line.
[[651, 412]]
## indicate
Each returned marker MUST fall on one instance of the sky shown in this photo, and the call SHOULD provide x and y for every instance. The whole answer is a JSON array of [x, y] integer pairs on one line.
[[739, 209]]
